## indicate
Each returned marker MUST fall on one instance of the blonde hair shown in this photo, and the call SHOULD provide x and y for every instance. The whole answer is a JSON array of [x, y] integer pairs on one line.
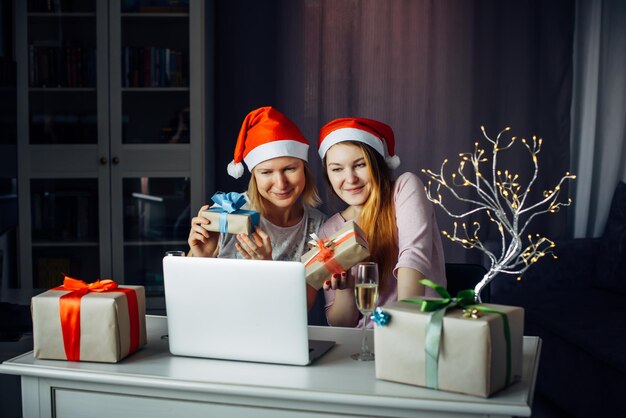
[[309, 196], [378, 215]]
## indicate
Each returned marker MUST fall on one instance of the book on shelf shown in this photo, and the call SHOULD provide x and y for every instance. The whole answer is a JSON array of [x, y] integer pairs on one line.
[[153, 67], [56, 64]]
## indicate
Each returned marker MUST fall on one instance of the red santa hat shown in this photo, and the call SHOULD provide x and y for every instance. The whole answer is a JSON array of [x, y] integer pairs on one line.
[[265, 134], [371, 132]]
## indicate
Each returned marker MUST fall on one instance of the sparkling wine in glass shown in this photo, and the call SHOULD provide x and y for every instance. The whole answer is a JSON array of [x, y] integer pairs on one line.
[[366, 296]]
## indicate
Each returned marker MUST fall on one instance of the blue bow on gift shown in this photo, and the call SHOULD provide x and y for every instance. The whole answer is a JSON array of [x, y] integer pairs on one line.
[[230, 203]]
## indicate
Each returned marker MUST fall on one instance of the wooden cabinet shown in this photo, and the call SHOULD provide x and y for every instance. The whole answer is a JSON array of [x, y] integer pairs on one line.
[[110, 137]]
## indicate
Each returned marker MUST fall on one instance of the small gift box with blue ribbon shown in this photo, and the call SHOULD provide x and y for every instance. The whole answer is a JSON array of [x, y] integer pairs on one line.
[[449, 344], [227, 217]]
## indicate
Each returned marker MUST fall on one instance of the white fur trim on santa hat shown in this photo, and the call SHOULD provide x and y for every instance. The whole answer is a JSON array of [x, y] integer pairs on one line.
[[235, 169], [352, 134], [275, 149], [359, 135]]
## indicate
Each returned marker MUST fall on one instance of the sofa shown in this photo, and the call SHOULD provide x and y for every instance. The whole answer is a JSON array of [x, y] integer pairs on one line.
[[577, 305]]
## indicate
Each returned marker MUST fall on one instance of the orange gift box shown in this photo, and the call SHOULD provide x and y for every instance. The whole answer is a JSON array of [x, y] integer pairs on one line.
[[100, 321], [340, 252]]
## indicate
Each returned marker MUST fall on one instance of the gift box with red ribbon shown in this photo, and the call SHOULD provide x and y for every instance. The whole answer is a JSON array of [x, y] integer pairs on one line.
[[100, 321], [340, 252]]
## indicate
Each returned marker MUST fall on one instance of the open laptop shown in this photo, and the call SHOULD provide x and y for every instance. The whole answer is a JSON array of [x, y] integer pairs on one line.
[[249, 310]]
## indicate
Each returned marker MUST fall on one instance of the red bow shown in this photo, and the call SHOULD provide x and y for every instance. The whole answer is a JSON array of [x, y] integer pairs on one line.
[[69, 309]]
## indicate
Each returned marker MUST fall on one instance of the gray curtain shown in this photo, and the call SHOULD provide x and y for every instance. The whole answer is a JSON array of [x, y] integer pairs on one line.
[[433, 70], [598, 111]]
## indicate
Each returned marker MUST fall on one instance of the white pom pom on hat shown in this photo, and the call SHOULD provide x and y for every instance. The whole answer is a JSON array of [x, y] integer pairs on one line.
[[376, 134], [393, 162], [266, 133], [235, 169]]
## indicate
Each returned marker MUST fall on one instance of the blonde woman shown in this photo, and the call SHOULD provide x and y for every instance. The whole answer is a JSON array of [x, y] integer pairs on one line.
[[399, 221], [281, 189]]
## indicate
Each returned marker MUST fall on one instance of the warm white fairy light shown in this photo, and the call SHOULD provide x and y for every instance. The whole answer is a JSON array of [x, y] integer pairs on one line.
[[504, 200]]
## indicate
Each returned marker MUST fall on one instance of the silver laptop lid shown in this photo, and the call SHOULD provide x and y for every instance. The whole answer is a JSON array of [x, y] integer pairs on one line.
[[230, 309]]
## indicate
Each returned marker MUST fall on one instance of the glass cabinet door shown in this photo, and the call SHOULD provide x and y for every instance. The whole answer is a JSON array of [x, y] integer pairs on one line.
[[156, 220], [62, 72], [65, 235], [154, 55], [151, 129], [63, 152]]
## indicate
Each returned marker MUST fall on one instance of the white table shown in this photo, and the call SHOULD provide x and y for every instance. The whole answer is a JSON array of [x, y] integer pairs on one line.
[[153, 383]]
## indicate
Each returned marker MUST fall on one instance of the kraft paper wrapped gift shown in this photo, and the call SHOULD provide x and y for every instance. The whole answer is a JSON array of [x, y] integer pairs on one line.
[[472, 351], [108, 324], [341, 251], [227, 215]]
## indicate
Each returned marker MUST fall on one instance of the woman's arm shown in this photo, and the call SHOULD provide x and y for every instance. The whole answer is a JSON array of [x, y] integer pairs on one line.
[[416, 233], [408, 283]]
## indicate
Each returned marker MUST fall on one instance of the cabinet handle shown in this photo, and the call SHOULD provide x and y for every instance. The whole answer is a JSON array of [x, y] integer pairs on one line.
[[103, 161], [115, 160]]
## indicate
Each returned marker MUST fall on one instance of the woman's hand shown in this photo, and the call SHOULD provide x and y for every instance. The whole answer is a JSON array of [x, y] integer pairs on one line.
[[339, 281], [343, 311], [257, 246], [202, 242]]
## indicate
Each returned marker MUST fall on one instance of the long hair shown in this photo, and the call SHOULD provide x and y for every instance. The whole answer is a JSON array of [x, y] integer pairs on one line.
[[378, 216], [309, 196]]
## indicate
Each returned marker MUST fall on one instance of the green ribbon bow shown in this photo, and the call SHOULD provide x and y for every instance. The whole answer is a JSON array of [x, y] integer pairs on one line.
[[434, 328]]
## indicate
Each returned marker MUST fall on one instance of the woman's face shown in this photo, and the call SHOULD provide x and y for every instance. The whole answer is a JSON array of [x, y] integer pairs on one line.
[[280, 180], [348, 173]]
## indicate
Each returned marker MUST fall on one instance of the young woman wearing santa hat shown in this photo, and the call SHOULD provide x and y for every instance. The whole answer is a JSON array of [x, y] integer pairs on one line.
[[281, 189], [399, 221]]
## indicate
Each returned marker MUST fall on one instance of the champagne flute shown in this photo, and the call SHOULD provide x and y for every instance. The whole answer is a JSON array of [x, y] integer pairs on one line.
[[366, 296]]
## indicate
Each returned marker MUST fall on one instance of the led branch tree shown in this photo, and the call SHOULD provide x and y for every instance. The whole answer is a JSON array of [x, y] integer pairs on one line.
[[506, 203]]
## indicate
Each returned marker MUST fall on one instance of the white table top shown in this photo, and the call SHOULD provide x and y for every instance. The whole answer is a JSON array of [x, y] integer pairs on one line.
[[335, 378]]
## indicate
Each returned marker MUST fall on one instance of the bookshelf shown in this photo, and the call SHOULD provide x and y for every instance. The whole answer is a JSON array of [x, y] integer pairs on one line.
[[110, 137]]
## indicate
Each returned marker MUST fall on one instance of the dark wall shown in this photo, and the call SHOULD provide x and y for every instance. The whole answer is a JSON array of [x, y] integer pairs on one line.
[[434, 71], [245, 75]]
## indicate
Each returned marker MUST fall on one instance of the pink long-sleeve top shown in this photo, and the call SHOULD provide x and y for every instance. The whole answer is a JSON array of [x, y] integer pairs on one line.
[[419, 239]]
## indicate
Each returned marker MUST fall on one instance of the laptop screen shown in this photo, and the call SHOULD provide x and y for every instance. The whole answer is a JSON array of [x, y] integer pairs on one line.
[[251, 310]]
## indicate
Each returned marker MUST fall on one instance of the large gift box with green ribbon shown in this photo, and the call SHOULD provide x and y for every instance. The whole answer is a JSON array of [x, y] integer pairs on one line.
[[227, 215], [341, 251], [449, 344], [100, 321]]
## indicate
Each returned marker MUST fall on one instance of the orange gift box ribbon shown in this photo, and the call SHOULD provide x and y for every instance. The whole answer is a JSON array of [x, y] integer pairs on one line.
[[326, 252], [69, 309]]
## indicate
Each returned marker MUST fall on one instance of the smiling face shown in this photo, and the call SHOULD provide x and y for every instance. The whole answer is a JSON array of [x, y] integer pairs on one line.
[[348, 172], [280, 181]]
